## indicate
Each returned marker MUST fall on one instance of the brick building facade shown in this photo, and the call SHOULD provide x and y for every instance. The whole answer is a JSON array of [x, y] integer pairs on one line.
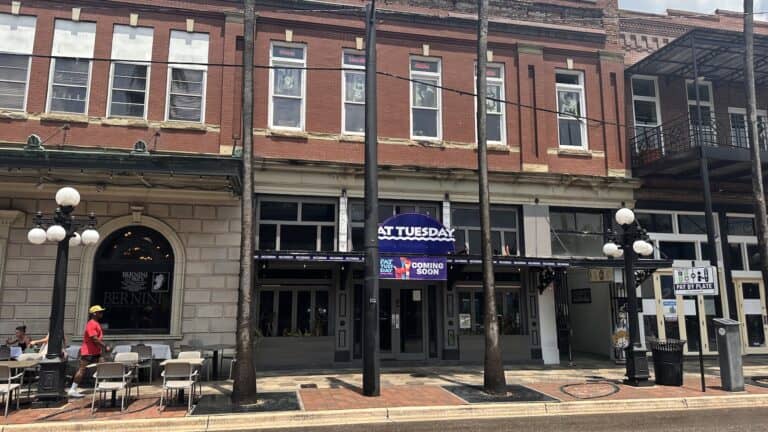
[[104, 75]]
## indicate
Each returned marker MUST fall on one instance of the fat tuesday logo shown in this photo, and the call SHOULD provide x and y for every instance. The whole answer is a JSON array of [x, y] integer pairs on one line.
[[416, 233]]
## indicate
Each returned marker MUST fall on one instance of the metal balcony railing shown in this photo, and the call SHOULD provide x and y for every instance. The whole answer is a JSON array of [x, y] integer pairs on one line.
[[651, 144]]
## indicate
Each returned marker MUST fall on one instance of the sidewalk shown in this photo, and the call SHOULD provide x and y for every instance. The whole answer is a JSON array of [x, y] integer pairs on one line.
[[422, 391]]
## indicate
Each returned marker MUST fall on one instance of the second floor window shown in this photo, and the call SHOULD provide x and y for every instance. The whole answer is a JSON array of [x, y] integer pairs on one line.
[[287, 88], [291, 225], [496, 129], [353, 115], [425, 99], [504, 230], [131, 52], [17, 36], [70, 73], [707, 106], [645, 105], [571, 108], [188, 55]]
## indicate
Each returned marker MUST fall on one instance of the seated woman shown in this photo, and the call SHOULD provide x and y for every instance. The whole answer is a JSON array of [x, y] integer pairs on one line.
[[20, 338]]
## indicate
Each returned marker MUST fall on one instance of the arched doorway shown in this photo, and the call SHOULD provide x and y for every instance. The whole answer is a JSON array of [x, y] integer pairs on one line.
[[133, 278]]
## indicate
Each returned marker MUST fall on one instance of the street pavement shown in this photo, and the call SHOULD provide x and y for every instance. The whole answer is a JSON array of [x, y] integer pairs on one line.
[[741, 420]]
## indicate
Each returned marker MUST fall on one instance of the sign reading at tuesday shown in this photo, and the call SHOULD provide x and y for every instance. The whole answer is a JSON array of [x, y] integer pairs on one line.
[[695, 280]]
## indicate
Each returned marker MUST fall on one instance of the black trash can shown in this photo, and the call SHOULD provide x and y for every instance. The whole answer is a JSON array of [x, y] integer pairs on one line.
[[667, 361]]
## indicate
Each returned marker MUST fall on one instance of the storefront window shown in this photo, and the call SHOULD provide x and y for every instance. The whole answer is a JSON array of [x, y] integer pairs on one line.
[[658, 223], [577, 233], [302, 311], [387, 209], [472, 312], [296, 225], [677, 250], [504, 229], [133, 280]]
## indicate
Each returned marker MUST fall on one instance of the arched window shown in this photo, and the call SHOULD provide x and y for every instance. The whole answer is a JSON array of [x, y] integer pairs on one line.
[[133, 279]]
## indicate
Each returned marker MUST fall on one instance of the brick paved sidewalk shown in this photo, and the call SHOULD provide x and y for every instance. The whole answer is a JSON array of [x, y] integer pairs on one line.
[[412, 386]]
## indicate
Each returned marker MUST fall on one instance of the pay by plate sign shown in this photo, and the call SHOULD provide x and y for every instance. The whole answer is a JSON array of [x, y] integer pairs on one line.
[[695, 280]]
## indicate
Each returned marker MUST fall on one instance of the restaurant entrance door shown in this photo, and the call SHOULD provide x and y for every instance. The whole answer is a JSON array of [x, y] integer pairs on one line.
[[402, 323]]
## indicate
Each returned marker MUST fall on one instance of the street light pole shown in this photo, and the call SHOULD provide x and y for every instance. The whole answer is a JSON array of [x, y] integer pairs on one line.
[[631, 242], [62, 230]]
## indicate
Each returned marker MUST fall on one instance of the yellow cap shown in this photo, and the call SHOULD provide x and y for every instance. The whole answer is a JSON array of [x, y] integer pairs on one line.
[[96, 308]]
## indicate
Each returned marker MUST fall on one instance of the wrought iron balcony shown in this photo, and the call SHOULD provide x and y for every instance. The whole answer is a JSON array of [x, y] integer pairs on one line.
[[680, 136]]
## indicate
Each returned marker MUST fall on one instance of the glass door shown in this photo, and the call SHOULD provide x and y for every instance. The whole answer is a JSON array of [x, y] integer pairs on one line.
[[751, 303], [412, 323], [387, 323]]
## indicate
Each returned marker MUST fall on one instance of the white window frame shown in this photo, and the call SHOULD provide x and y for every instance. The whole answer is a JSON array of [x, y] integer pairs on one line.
[[357, 70], [503, 94], [743, 242], [743, 111], [415, 75], [26, 84], [655, 100], [287, 62], [581, 89], [503, 230], [168, 92], [675, 237], [50, 88], [146, 90], [710, 103]]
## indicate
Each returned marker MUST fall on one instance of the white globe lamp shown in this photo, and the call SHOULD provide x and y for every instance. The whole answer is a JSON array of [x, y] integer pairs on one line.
[[619, 254], [37, 236], [625, 217], [75, 240], [90, 237], [647, 249], [55, 233], [610, 249], [68, 197]]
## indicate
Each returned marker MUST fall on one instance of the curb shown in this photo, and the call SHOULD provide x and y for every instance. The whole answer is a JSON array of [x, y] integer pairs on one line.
[[256, 421]]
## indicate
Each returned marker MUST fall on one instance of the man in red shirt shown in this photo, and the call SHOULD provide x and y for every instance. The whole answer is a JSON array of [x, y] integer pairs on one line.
[[92, 349]]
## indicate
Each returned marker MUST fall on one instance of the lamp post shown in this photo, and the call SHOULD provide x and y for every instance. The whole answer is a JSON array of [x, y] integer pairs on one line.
[[61, 229], [629, 243]]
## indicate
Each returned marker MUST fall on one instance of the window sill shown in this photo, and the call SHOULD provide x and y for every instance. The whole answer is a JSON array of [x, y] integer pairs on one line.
[[352, 138], [287, 133], [129, 122], [496, 147], [576, 152], [13, 115], [183, 125], [428, 142], [65, 118]]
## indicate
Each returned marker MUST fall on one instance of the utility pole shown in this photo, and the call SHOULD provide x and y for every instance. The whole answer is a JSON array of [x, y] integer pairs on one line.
[[758, 191], [371, 385], [244, 385], [494, 381]]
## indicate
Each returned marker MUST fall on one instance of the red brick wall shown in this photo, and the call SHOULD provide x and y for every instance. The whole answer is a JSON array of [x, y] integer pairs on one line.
[[529, 133]]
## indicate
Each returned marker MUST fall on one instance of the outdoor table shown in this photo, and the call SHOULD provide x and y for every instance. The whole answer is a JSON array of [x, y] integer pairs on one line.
[[216, 348], [159, 351]]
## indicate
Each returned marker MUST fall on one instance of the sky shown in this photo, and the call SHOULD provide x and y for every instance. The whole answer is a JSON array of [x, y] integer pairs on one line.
[[707, 6]]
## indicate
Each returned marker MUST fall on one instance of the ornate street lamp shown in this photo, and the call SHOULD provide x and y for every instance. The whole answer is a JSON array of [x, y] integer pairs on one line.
[[631, 242], [62, 230]]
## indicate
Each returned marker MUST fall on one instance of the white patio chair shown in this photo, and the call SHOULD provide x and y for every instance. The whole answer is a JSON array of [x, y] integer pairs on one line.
[[194, 355], [8, 386], [179, 376], [111, 377], [131, 359]]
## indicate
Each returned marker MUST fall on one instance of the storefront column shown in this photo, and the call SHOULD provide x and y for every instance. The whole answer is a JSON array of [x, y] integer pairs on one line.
[[7, 217], [343, 223], [538, 243]]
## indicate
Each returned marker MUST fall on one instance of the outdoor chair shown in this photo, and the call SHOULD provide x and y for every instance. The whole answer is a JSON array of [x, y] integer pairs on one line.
[[111, 377], [179, 376], [5, 353], [131, 358], [146, 359], [30, 373], [194, 355], [232, 367], [8, 386]]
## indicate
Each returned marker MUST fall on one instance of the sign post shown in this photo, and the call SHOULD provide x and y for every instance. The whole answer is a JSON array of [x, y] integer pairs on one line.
[[696, 281]]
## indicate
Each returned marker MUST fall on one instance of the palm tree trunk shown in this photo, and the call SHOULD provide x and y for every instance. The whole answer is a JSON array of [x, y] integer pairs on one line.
[[244, 386], [494, 381]]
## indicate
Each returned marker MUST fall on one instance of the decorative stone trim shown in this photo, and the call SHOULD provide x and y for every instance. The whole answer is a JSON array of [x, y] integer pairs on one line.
[[524, 48], [13, 115], [613, 172], [287, 133], [182, 125], [537, 168], [599, 154], [65, 118], [352, 138], [135, 123], [179, 271], [611, 56]]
